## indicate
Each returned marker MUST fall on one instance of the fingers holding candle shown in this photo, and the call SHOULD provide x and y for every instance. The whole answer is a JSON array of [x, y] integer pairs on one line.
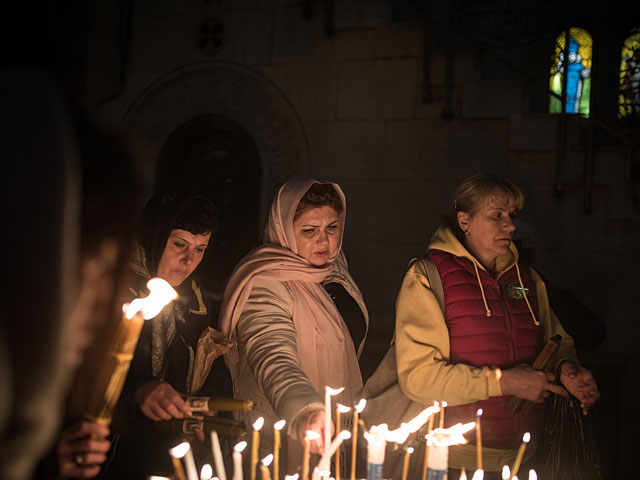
[[314, 421], [82, 449]]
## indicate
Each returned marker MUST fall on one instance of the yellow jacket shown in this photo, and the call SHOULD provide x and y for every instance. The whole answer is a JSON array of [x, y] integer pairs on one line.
[[422, 347]]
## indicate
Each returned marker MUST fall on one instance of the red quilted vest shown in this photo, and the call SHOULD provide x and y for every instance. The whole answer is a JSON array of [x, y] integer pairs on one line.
[[506, 338]]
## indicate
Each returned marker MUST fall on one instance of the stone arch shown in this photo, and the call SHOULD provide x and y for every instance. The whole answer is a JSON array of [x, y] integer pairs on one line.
[[227, 91]]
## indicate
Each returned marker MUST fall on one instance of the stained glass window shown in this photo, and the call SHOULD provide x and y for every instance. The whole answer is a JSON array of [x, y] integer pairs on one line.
[[629, 97], [577, 69]]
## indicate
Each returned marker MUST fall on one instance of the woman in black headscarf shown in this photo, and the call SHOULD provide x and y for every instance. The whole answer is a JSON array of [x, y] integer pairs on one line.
[[174, 232]]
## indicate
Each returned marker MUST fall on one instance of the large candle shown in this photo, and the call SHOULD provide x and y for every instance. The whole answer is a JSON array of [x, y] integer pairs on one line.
[[217, 455], [110, 377], [405, 466], [279, 425], [356, 411], [525, 440], [255, 444], [309, 436], [328, 393], [237, 460], [478, 440], [340, 409]]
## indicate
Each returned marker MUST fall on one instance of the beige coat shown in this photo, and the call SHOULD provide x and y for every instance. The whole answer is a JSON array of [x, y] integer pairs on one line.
[[291, 339]]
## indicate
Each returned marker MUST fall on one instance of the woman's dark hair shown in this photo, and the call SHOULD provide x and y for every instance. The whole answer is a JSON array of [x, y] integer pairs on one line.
[[475, 193], [319, 195], [197, 216]]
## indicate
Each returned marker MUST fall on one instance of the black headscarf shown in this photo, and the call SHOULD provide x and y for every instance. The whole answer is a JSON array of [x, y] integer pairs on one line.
[[158, 219]]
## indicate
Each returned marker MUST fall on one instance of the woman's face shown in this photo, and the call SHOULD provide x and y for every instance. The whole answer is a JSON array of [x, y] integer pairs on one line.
[[490, 230], [182, 254], [317, 233]]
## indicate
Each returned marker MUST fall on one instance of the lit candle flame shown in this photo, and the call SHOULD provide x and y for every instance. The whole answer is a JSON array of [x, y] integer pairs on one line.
[[312, 435], [333, 391], [533, 475], [240, 447], [506, 472], [479, 412], [498, 373], [343, 408], [279, 425], [257, 425], [526, 437], [446, 437], [266, 461], [160, 293], [179, 451], [360, 406], [478, 475], [410, 450], [207, 472], [291, 477]]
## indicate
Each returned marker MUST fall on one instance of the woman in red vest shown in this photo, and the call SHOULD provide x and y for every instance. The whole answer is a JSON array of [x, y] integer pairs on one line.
[[478, 352]]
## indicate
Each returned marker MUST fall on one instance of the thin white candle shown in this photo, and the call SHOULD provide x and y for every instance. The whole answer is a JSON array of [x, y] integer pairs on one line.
[[325, 461], [237, 460], [206, 472], [184, 451], [328, 393], [217, 455]]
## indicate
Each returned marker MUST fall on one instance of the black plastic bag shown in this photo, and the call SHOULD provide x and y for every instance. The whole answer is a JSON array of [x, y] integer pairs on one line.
[[570, 445]]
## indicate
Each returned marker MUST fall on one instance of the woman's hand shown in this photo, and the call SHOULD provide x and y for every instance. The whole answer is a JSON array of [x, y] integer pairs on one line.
[[314, 421], [525, 382], [580, 383], [160, 401], [82, 448]]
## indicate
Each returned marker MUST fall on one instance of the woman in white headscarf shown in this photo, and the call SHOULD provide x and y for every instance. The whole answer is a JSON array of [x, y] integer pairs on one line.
[[297, 316]]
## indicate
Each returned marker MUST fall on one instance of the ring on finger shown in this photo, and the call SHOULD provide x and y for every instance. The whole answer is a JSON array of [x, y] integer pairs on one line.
[[79, 458]]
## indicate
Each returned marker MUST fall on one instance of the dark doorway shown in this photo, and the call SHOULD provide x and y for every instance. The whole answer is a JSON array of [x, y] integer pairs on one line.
[[216, 157]]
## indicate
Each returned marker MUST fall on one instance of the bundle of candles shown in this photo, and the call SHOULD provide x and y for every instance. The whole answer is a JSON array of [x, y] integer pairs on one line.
[[435, 465]]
